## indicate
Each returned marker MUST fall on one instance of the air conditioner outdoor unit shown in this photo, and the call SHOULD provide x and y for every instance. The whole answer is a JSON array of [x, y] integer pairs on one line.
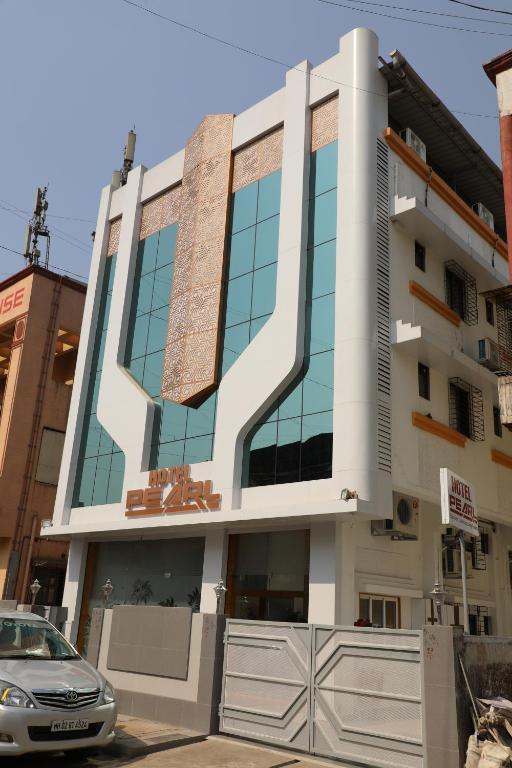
[[484, 214], [414, 142], [405, 523], [489, 354]]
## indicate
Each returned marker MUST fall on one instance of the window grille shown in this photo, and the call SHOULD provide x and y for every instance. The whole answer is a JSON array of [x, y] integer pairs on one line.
[[461, 294], [504, 329], [479, 559], [466, 409], [479, 620]]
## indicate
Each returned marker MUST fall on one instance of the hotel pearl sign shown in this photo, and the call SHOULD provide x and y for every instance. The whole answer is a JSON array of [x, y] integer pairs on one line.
[[171, 490], [458, 507]]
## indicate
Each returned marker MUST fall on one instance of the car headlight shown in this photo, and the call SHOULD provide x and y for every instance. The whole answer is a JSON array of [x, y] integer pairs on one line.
[[108, 694], [11, 696]]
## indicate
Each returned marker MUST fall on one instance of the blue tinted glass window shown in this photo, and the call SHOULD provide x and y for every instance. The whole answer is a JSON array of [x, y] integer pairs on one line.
[[136, 345], [322, 324], [162, 287], [166, 246], [322, 218], [294, 440], [173, 422], [269, 196], [86, 475], [244, 204], [241, 253], [198, 449], [264, 291], [238, 303], [136, 368], [318, 386], [169, 454], [157, 332], [115, 482], [201, 420], [323, 269], [147, 252], [96, 445], [267, 236], [152, 379], [256, 325], [236, 340], [144, 293], [324, 169]]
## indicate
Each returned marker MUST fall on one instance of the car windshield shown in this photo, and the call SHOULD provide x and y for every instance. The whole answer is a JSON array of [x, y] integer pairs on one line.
[[32, 639]]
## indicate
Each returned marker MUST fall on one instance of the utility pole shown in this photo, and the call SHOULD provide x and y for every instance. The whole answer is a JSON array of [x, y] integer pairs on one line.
[[37, 228]]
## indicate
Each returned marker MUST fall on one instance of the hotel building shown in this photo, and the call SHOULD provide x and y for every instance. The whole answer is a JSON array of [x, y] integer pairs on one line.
[[285, 338]]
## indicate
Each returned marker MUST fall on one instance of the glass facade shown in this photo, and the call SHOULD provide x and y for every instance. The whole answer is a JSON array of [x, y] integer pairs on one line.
[[100, 470], [181, 435], [293, 442], [253, 246]]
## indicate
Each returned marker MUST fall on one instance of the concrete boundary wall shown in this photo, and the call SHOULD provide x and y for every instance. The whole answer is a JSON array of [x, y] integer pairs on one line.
[[186, 694]]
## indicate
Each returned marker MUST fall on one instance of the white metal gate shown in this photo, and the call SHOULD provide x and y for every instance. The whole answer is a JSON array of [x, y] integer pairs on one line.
[[344, 692]]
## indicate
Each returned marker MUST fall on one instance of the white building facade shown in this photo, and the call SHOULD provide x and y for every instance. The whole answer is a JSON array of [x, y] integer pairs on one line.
[[280, 351]]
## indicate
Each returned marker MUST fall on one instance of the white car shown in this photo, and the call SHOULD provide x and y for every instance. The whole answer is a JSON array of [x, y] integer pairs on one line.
[[50, 698]]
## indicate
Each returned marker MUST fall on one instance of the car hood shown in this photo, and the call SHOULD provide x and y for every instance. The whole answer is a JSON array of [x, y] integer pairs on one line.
[[31, 674]]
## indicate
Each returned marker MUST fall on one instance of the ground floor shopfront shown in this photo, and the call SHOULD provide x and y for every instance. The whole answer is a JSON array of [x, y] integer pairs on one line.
[[344, 572]]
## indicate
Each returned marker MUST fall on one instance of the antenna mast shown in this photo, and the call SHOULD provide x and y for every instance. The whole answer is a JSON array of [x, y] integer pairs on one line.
[[38, 228], [119, 178]]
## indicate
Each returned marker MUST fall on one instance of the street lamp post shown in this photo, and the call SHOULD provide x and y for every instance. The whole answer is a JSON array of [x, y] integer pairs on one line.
[[439, 596], [219, 590], [34, 589], [107, 590]]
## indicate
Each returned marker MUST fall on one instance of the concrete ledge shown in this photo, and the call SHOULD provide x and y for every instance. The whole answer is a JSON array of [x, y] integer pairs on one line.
[[135, 737]]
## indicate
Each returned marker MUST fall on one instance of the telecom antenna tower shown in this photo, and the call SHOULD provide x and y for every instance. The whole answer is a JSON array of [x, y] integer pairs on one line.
[[38, 228], [119, 178]]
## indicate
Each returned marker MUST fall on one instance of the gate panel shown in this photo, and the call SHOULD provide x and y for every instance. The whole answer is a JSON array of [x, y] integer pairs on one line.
[[366, 696], [265, 692]]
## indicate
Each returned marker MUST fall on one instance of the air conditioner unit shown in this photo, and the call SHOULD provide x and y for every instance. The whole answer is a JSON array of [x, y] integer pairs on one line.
[[452, 567], [484, 214], [415, 143], [489, 354], [405, 523]]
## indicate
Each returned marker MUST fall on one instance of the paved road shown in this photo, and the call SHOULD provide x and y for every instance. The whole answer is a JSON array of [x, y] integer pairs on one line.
[[215, 752]]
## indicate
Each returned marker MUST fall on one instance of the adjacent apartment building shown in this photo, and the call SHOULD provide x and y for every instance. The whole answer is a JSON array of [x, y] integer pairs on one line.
[[285, 337], [40, 317]]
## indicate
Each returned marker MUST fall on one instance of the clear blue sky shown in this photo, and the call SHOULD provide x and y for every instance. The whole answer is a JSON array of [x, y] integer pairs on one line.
[[77, 74]]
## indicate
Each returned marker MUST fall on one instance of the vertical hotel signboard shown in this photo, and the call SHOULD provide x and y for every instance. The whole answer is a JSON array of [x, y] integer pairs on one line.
[[458, 506]]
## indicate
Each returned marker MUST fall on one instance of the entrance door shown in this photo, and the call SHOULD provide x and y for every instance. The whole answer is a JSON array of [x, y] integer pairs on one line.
[[268, 576]]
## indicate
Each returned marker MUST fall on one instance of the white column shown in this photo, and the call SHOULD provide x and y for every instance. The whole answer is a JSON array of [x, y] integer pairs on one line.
[[346, 611], [214, 569], [73, 588], [124, 409], [322, 574], [278, 349], [355, 365]]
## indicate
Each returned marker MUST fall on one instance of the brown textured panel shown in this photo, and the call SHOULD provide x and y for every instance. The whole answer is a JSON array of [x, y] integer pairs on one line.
[[113, 236], [258, 159], [324, 123], [192, 347], [160, 212]]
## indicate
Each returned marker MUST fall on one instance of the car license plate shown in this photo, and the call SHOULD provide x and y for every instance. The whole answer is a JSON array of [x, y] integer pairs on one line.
[[69, 725]]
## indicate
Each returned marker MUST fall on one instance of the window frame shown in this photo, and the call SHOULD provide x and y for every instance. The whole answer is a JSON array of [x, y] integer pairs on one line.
[[372, 597], [423, 381], [489, 312], [420, 256], [498, 426]]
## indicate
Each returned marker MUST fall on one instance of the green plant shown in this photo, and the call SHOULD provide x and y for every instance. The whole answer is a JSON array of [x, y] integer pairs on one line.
[[141, 592], [194, 599], [167, 603]]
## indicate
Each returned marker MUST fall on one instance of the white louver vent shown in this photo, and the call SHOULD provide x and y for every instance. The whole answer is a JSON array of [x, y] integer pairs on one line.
[[383, 312]]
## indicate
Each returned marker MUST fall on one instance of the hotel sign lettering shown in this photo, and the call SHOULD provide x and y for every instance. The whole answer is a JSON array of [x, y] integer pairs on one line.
[[458, 508], [171, 490]]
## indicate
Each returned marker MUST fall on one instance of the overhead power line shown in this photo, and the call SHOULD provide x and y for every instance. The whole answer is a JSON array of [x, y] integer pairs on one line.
[[482, 8], [53, 266], [64, 236], [412, 21], [443, 14], [272, 60], [52, 215]]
